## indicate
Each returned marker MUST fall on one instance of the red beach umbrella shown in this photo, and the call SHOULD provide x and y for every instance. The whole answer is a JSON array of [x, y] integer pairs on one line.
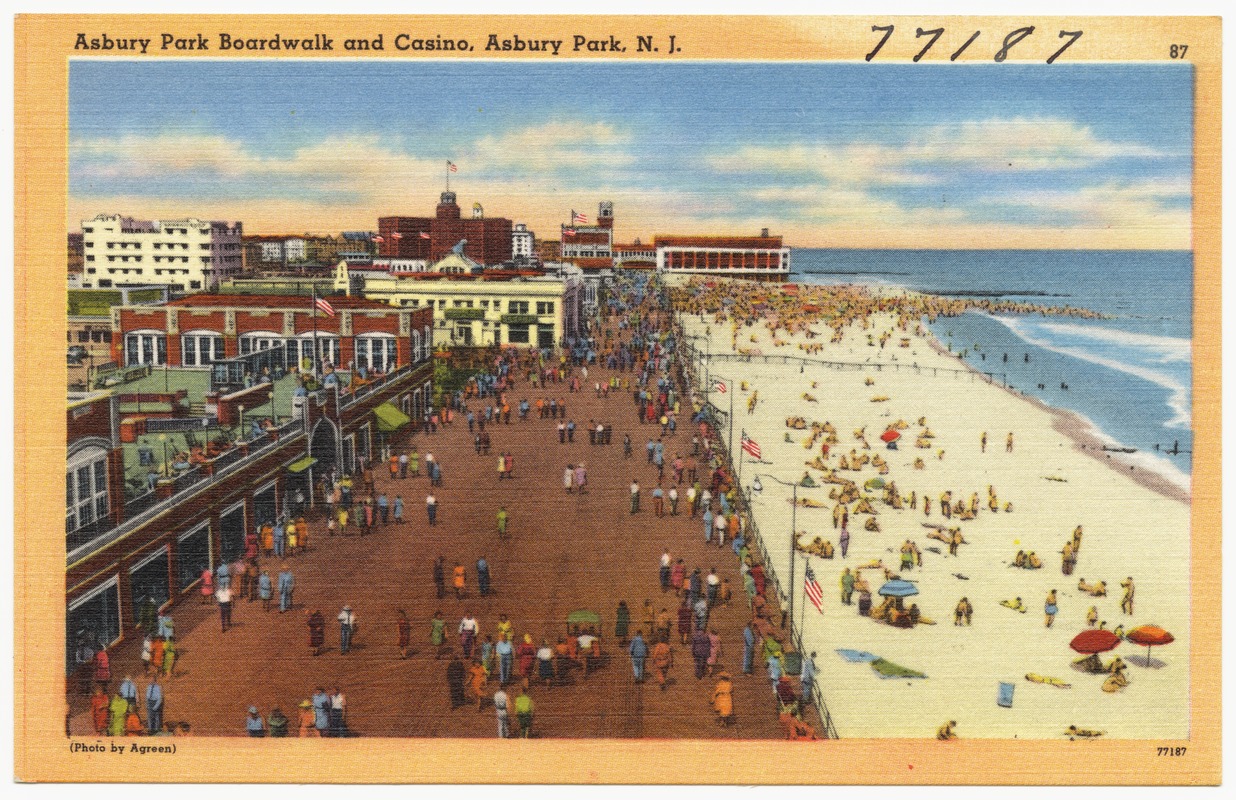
[[1094, 641], [1149, 635], [890, 435], [1091, 643]]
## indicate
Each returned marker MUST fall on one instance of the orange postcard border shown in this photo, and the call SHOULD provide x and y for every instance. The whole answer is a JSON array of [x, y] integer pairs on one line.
[[43, 45]]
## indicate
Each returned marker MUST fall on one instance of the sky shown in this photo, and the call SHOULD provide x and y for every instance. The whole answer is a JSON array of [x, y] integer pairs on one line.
[[826, 155]]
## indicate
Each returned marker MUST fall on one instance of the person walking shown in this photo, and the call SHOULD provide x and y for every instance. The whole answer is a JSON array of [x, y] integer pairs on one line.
[[317, 631], [847, 587], [662, 661], [459, 580], [634, 496], [748, 649], [568, 478], [347, 625], [321, 712], [807, 679], [673, 501], [398, 510], [1050, 609], [844, 540], [700, 648], [500, 708], [154, 706], [287, 584], [666, 562], [439, 576], [223, 595], [502, 519], [658, 501], [581, 478], [482, 576], [523, 711], [713, 584], [506, 659], [431, 508], [455, 674], [468, 628], [638, 651], [622, 623]]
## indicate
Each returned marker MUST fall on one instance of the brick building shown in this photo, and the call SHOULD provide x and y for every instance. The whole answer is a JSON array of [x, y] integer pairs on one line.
[[200, 330], [429, 239]]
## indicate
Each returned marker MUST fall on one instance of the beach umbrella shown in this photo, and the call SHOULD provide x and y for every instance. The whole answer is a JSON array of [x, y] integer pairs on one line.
[[1092, 642], [890, 435], [1097, 640], [898, 588], [1149, 635], [874, 483]]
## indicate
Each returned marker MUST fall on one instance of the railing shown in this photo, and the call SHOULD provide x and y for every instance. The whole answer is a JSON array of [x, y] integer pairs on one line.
[[178, 424], [858, 366], [145, 507], [817, 693]]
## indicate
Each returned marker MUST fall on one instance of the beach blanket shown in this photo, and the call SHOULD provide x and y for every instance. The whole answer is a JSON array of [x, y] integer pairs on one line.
[[888, 669], [857, 656]]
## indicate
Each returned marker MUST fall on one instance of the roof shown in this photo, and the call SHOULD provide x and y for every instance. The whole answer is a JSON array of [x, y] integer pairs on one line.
[[745, 242], [272, 301]]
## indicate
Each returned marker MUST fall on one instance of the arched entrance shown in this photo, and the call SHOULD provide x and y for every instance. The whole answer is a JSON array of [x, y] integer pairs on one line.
[[324, 446]]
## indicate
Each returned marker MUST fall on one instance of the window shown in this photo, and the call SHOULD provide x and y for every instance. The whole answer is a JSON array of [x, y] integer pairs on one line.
[[517, 334], [199, 348], [518, 307], [195, 284], [192, 556], [86, 497], [545, 308], [144, 347], [90, 258], [376, 352], [149, 582], [93, 624]]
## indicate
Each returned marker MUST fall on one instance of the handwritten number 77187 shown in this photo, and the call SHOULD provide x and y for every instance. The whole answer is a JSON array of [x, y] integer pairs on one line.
[[1009, 42]]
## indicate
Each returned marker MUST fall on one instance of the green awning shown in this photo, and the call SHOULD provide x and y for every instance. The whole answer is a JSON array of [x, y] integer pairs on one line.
[[390, 418], [303, 464]]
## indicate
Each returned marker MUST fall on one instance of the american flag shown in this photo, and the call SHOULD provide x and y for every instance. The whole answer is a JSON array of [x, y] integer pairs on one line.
[[378, 239], [751, 446], [811, 588], [425, 235], [396, 235], [323, 306], [568, 231], [451, 166], [720, 386], [578, 217]]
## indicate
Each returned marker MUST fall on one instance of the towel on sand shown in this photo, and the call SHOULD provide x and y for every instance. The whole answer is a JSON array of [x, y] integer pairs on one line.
[[888, 669]]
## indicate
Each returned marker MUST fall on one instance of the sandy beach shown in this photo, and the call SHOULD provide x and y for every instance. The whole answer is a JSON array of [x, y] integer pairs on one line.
[[1056, 478]]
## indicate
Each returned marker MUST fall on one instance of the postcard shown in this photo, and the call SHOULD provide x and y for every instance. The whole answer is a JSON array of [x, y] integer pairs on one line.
[[669, 397]]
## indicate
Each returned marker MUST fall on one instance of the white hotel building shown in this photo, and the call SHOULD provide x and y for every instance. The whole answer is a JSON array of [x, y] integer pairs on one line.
[[186, 255]]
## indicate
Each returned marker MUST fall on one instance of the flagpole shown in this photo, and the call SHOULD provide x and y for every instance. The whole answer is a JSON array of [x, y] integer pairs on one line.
[[313, 314], [741, 452], [732, 388]]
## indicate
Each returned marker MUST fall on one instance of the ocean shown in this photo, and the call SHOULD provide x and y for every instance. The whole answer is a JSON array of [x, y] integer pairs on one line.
[[1129, 375]]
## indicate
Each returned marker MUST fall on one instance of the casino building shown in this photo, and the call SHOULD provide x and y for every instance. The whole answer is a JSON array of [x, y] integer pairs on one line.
[[760, 257], [430, 239]]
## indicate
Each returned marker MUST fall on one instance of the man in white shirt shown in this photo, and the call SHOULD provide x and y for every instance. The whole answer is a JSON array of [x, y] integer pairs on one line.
[[500, 706], [223, 595]]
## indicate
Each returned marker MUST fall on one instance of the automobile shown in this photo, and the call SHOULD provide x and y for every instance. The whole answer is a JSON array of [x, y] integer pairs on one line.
[[77, 353]]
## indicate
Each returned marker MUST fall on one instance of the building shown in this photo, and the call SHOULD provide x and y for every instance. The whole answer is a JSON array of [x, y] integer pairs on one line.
[[760, 257], [157, 495], [90, 327], [590, 247], [187, 255], [480, 307], [488, 241], [201, 330], [75, 255], [522, 244], [635, 255]]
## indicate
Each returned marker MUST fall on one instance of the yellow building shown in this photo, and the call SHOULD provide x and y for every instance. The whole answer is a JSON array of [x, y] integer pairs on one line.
[[475, 306]]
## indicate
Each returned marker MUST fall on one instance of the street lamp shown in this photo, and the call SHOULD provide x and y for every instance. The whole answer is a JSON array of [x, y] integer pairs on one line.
[[166, 467], [271, 397], [758, 487], [242, 423]]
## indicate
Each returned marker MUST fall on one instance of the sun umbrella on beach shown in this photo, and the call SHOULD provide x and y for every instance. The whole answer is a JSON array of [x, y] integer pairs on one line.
[[1149, 635], [874, 483], [1092, 642], [898, 588], [890, 435]]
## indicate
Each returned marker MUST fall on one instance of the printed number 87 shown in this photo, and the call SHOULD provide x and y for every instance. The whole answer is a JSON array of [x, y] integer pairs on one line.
[[1178, 50]]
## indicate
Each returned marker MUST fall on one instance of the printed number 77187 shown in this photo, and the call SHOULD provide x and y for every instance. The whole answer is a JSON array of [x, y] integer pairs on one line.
[[1171, 751]]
